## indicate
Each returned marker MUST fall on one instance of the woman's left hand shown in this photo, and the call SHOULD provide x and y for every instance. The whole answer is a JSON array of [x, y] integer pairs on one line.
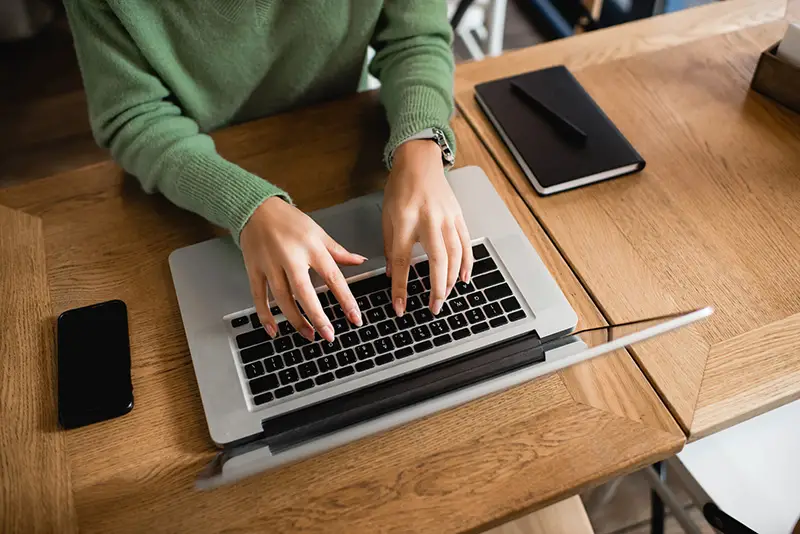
[[419, 205]]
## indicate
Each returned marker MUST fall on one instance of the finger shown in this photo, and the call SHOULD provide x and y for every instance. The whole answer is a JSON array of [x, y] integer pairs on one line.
[[259, 290], [433, 243], [452, 243], [387, 244], [300, 283], [341, 255], [283, 296], [401, 257], [466, 249], [329, 271]]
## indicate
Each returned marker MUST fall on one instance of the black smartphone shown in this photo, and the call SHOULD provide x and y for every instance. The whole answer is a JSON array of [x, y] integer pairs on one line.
[[94, 364]]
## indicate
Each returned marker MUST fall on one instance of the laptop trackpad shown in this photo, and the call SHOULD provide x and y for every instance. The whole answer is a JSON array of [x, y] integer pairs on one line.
[[357, 228]]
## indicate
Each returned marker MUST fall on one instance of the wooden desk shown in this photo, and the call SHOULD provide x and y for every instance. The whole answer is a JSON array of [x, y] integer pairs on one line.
[[714, 219], [469, 468]]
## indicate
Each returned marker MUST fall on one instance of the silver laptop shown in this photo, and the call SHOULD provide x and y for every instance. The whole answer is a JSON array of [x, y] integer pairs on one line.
[[271, 402]]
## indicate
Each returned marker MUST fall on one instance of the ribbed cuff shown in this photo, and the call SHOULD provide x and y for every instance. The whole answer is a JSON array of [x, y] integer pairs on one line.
[[423, 108], [222, 192]]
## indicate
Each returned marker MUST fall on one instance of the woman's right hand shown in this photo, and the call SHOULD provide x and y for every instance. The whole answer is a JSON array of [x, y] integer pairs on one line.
[[279, 244]]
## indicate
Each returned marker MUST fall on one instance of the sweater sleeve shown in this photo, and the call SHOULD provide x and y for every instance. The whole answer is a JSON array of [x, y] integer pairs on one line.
[[134, 115], [414, 63]]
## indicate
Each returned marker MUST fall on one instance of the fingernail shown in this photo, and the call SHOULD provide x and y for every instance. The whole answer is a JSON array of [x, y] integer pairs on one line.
[[465, 277], [437, 306], [355, 317], [327, 333], [362, 258], [308, 333], [271, 331], [398, 307]]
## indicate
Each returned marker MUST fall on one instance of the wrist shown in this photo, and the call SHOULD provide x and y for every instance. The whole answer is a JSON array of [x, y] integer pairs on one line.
[[418, 152]]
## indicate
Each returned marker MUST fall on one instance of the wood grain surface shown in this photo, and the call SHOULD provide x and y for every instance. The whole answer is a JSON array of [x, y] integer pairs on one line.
[[713, 220], [473, 467], [565, 517], [35, 490]]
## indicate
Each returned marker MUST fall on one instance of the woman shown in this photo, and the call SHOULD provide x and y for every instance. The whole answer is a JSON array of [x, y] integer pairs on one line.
[[160, 74]]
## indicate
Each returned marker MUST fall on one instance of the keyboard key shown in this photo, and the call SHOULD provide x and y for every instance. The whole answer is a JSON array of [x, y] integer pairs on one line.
[[254, 320], [379, 299], [331, 298], [403, 353], [288, 376], [457, 321], [275, 310], [346, 357], [383, 345], [308, 369], [273, 364], [363, 303], [480, 327], [284, 392], [421, 333], [370, 285], [365, 365], [286, 328], [402, 339], [251, 338], [365, 351], [413, 304], [510, 304], [383, 359], [483, 266], [254, 369], [479, 252], [345, 371], [498, 292], [304, 385], [338, 312], [263, 383], [459, 305], [487, 280], [375, 315], [476, 299], [340, 326], [329, 314], [389, 310], [442, 340], [492, 309], [426, 283], [445, 311], [324, 379], [475, 315], [415, 287], [422, 347], [331, 348], [498, 321], [282, 344], [439, 327], [292, 357], [327, 363], [425, 298], [312, 351], [256, 353], [423, 268], [350, 339], [464, 289], [461, 334], [264, 398], [516, 316], [405, 322], [423, 316], [368, 333], [239, 321], [323, 299], [387, 328], [300, 341]]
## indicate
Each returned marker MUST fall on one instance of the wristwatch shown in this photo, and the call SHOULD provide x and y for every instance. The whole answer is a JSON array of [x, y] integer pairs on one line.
[[437, 135]]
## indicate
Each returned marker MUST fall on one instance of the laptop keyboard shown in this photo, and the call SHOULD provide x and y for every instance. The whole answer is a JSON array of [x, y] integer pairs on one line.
[[291, 365]]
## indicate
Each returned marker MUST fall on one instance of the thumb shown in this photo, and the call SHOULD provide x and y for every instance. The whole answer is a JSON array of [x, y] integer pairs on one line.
[[341, 255]]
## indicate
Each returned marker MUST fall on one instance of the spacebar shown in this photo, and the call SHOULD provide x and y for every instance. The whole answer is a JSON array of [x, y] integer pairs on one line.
[[289, 430]]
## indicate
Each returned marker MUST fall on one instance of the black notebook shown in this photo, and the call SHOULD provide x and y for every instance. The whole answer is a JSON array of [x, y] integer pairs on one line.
[[552, 160]]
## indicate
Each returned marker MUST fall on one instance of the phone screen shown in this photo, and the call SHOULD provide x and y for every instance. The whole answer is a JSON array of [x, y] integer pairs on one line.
[[94, 364]]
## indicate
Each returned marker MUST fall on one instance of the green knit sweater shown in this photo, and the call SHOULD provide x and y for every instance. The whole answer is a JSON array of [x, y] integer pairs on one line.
[[161, 74]]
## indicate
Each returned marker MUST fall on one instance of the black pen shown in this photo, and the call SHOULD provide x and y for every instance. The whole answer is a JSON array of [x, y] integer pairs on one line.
[[559, 122]]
